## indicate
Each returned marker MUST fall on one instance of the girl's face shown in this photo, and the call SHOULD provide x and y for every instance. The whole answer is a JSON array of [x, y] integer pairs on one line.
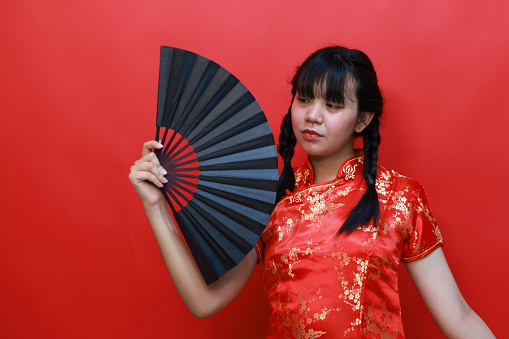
[[325, 129]]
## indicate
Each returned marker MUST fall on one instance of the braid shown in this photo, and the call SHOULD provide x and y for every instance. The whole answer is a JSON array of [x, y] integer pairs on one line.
[[330, 73], [371, 141], [286, 148], [367, 208]]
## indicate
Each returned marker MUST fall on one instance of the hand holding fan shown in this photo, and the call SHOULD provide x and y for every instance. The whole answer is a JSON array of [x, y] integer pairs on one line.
[[220, 156]]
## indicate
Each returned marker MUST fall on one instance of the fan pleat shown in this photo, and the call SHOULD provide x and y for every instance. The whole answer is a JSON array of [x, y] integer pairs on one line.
[[247, 118], [175, 85], [248, 145], [248, 217], [211, 269], [240, 165], [255, 193], [244, 174], [253, 122], [205, 227], [164, 75], [253, 203], [200, 78], [238, 105], [236, 233], [254, 154], [251, 183], [232, 242], [201, 113]]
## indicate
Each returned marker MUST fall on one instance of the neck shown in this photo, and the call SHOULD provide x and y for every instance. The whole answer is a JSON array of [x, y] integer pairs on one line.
[[325, 168]]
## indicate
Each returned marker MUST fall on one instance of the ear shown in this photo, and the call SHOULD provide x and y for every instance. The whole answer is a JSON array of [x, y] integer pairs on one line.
[[364, 120]]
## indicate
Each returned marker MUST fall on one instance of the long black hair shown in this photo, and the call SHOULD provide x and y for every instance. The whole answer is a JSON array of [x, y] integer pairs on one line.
[[328, 73]]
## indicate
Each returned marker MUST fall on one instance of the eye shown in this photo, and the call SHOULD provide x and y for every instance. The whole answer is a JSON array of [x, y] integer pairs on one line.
[[303, 99], [334, 105]]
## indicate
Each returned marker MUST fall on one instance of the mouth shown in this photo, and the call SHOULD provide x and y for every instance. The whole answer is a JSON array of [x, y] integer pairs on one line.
[[311, 134]]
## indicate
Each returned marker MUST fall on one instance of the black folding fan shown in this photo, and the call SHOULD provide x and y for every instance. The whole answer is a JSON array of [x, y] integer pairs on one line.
[[220, 156]]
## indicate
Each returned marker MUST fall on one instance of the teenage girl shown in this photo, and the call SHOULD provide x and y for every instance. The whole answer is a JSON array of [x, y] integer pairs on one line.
[[341, 227]]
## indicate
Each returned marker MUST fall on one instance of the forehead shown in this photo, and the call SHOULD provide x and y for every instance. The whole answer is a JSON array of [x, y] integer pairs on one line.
[[332, 91]]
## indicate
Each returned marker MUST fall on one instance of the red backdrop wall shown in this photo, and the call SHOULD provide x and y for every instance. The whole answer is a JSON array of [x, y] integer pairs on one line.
[[78, 88]]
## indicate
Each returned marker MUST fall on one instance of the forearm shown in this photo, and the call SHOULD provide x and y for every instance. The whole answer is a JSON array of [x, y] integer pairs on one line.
[[438, 289], [201, 299], [468, 326], [179, 261]]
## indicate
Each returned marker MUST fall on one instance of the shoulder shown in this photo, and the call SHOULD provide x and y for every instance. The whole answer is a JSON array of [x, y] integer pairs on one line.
[[390, 180]]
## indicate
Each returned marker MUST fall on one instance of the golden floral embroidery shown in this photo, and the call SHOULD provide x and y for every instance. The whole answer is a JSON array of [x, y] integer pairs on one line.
[[382, 326], [285, 228], [322, 284], [344, 192]]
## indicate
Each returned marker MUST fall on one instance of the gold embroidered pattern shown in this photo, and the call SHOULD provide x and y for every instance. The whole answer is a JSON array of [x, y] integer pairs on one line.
[[322, 284], [349, 171]]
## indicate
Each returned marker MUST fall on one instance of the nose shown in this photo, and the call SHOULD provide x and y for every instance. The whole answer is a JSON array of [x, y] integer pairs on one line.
[[314, 115]]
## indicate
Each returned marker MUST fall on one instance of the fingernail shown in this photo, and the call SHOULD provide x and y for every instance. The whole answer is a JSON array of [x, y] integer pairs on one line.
[[159, 184], [159, 145], [163, 171], [164, 180]]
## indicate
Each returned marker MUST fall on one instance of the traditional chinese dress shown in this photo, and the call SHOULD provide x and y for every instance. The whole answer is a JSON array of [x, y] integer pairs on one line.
[[321, 285]]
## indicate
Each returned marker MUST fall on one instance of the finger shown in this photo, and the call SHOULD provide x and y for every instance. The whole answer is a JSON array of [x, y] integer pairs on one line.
[[146, 171], [147, 176], [154, 169], [151, 157], [149, 146]]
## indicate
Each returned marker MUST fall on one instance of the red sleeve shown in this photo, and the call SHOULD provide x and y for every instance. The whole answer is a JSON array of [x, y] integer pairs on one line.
[[259, 250], [424, 235]]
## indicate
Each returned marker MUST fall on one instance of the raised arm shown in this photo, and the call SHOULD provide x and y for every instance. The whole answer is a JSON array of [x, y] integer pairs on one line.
[[438, 289], [201, 299]]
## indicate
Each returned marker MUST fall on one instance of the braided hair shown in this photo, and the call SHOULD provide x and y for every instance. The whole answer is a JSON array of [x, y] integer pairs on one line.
[[328, 73]]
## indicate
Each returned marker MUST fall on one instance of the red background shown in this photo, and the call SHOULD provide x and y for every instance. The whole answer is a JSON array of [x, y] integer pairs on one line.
[[78, 88]]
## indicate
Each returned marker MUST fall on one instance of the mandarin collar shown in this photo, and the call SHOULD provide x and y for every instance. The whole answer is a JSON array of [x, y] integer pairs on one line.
[[348, 169]]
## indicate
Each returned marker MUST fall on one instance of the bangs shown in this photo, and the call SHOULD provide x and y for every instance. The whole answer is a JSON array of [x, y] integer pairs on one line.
[[326, 79]]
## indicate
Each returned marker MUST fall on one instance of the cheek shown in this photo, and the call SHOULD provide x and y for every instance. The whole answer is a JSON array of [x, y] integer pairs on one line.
[[295, 118], [344, 124]]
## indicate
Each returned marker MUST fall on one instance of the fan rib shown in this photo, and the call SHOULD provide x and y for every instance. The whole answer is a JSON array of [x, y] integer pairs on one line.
[[254, 154], [185, 182], [255, 193], [184, 156], [253, 203], [177, 188], [254, 223], [265, 140], [251, 183], [225, 88], [175, 65], [201, 251], [201, 224], [198, 91], [266, 163], [184, 163], [221, 222], [171, 146], [164, 76], [190, 176], [188, 61], [237, 106], [250, 123]]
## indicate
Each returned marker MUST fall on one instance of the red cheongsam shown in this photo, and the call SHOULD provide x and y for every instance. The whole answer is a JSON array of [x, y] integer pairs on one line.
[[321, 285]]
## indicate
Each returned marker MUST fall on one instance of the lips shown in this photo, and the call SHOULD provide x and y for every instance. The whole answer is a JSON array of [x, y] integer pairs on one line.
[[310, 134]]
